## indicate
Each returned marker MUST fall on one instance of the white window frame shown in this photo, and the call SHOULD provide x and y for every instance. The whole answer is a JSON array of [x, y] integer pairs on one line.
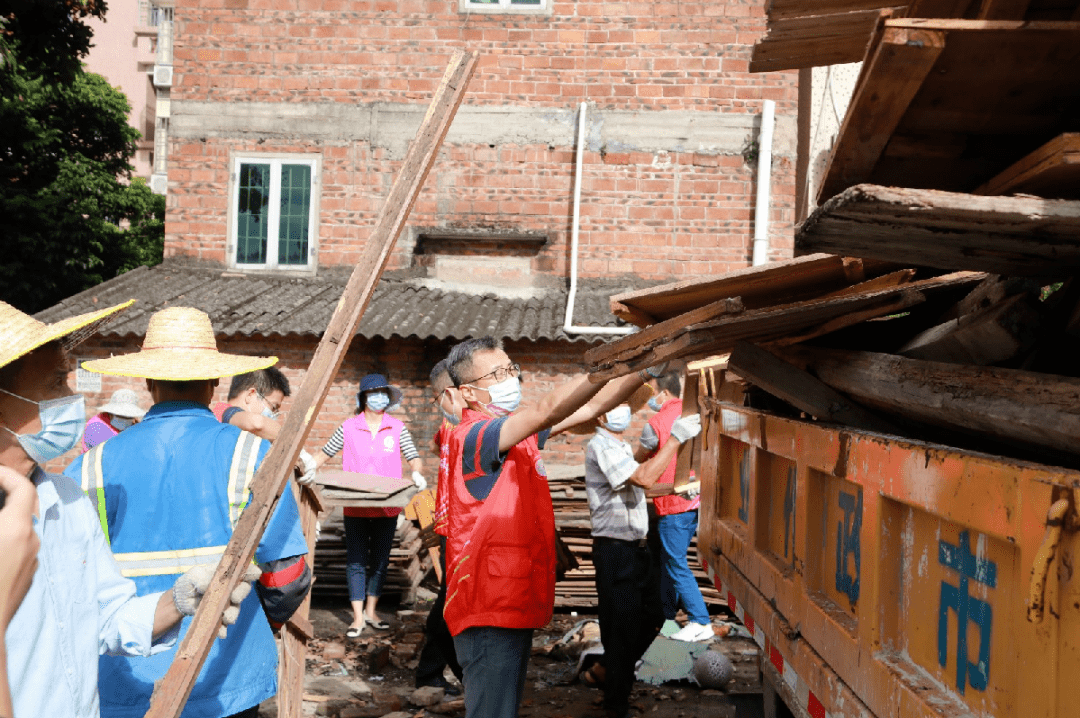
[[503, 7], [275, 160]]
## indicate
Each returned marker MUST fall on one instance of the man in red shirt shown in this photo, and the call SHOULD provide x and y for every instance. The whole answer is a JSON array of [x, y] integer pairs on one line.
[[676, 517], [500, 550]]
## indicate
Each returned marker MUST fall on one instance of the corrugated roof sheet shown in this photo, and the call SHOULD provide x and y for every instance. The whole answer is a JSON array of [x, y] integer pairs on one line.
[[272, 305]]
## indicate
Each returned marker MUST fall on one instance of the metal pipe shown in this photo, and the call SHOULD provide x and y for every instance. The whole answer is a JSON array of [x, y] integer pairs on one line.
[[764, 184], [568, 322]]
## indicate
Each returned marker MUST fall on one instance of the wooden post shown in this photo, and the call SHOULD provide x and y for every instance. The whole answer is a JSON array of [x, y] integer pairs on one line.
[[685, 453], [297, 632], [172, 691]]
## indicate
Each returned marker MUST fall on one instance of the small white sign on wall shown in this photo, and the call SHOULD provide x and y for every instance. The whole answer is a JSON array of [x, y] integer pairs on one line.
[[86, 381]]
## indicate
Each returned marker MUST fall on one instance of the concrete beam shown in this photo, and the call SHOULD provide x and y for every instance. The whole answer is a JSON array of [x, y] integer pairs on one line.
[[391, 126]]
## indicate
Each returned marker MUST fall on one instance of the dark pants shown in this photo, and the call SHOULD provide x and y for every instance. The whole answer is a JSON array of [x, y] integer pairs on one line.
[[629, 621], [252, 712], [367, 554], [495, 662], [438, 652]]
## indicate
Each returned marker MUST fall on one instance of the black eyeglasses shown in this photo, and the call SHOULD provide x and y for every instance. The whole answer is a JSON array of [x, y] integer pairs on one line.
[[499, 374]]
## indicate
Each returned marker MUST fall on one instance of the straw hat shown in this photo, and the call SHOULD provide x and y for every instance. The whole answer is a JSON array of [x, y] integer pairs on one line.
[[124, 403], [21, 334], [179, 346]]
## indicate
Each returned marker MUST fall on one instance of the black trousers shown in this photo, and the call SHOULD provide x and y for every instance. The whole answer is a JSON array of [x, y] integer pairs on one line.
[[629, 617], [438, 651]]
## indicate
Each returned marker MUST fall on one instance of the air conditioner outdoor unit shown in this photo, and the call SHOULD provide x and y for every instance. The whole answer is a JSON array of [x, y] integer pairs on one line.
[[163, 75], [159, 183]]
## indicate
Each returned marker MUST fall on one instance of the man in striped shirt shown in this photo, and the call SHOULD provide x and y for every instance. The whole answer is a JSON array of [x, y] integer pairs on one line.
[[616, 484]]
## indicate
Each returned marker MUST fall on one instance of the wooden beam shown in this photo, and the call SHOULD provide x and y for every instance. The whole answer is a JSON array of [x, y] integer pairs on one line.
[[990, 336], [893, 279], [1025, 409], [1051, 171], [1023, 236], [904, 56], [1003, 9], [801, 390], [658, 333], [685, 453], [171, 693], [990, 291], [632, 315]]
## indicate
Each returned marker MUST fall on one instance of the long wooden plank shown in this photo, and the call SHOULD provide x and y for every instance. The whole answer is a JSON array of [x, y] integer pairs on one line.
[[171, 693], [1021, 236], [815, 40], [789, 280], [1052, 171], [687, 451], [1026, 409], [894, 73]]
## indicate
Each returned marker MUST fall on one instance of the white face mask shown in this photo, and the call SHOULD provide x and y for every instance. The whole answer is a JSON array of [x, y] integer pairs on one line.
[[120, 423], [62, 422], [618, 419], [505, 396]]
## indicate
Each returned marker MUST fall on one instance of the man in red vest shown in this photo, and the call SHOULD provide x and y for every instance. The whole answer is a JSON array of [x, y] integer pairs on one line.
[[676, 517], [500, 550]]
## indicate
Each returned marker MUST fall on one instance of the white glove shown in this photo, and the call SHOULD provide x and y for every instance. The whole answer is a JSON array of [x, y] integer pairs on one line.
[[308, 461], [419, 480], [691, 494], [189, 589], [318, 530], [686, 428]]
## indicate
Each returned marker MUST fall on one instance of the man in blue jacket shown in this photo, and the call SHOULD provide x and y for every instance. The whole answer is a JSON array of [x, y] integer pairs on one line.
[[170, 494]]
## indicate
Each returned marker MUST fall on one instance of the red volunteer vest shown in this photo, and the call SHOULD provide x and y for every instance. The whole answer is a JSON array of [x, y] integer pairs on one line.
[[442, 498], [661, 423], [500, 552]]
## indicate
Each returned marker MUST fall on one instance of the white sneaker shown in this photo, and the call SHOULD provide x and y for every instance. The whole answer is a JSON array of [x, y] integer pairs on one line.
[[695, 632]]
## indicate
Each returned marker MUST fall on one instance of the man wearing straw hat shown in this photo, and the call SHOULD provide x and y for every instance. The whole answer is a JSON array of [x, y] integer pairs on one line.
[[78, 604], [171, 490]]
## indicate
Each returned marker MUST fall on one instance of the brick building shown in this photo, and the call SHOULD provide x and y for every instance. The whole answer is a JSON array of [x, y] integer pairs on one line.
[[289, 120]]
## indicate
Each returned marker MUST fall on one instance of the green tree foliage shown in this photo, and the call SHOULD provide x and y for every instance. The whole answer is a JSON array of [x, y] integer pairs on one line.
[[73, 217]]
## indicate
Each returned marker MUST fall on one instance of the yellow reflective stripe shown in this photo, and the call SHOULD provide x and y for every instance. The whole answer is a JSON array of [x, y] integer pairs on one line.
[[93, 485], [164, 563], [241, 471]]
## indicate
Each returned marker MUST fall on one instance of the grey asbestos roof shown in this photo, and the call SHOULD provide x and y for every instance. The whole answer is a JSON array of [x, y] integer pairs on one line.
[[273, 305]]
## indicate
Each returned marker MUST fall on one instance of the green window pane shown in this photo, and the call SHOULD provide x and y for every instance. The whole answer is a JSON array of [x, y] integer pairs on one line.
[[251, 214], [295, 214], [526, 2], [484, 2]]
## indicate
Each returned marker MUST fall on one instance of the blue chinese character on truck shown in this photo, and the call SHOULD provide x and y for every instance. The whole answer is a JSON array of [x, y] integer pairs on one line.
[[847, 544], [959, 558]]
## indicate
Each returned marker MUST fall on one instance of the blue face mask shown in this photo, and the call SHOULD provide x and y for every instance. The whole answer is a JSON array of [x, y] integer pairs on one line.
[[62, 422], [618, 419], [454, 420], [120, 423], [655, 404], [378, 401]]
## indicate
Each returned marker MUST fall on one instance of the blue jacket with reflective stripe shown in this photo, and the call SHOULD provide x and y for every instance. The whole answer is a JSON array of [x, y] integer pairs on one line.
[[166, 489]]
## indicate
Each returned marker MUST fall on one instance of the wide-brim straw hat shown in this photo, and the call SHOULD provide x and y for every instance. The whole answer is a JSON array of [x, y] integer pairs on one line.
[[179, 346], [124, 403], [21, 334]]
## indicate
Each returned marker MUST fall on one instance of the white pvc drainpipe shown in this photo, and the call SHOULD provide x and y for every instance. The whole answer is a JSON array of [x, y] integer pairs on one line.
[[568, 323], [764, 178]]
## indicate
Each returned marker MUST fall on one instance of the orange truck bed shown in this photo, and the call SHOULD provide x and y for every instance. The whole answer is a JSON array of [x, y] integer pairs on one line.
[[885, 577]]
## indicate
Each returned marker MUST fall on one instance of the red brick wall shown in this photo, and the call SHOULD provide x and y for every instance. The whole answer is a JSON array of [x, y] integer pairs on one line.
[[657, 215], [406, 364]]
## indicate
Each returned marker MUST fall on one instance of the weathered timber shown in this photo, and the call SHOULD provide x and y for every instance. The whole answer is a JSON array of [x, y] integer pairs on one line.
[[990, 291], [1025, 236], [790, 280], [356, 499], [171, 693], [658, 333], [989, 336], [1020, 408], [815, 40], [770, 324], [686, 452], [801, 390], [893, 279], [298, 630], [1052, 171], [992, 95]]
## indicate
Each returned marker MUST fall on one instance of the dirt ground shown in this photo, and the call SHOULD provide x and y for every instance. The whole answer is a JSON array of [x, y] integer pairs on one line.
[[374, 675]]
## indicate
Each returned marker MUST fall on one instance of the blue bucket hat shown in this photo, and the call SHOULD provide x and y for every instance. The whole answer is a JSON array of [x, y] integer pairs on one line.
[[371, 382]]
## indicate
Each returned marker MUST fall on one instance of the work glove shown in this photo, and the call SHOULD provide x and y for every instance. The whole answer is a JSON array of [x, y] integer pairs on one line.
[[189, 589], [308, 476], [686, 428], [419, 480]]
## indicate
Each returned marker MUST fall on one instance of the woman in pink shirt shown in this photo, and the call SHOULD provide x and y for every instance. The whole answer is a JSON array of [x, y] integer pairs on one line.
[[373, 443], [122, 411]]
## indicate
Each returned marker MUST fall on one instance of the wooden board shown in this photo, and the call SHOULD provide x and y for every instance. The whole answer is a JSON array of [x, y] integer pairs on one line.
[[1052, 171], [296, 633], [790, 280], [1023, 236], [771, 324], [356, 499], [952, 117], [376, 486], [171, 692]]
